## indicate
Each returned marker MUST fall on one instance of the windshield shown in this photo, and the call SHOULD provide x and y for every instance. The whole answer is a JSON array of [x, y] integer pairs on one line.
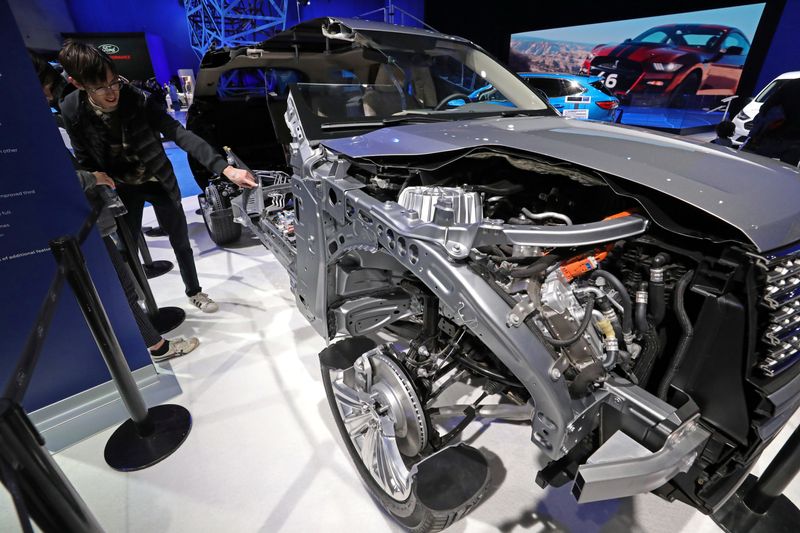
[[409, 76], [699, 37], [769, 90]]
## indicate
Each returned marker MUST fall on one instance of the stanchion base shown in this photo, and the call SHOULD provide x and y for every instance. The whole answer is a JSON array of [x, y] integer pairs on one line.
[[127, 451], [157, 268], [736, 517], [168, 319], [155, 232]]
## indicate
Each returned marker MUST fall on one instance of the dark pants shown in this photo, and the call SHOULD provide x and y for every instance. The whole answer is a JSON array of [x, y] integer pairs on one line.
[[149, 333], [171, 219]]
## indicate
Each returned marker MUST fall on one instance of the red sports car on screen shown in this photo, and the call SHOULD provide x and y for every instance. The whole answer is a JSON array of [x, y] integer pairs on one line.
[[675, 60]]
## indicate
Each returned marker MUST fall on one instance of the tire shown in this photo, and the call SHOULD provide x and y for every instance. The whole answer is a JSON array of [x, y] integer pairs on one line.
[[411, 512], [219, 219], [681, 95]]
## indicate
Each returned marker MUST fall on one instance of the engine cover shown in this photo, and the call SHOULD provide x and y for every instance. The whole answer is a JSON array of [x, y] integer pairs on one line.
[[467, 206]]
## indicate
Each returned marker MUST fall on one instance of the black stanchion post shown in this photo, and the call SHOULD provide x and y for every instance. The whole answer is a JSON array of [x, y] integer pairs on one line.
[[163, 318], [759, 505], [68, 253], [35, 481], [152, 269], [776, 477], [150, 435]]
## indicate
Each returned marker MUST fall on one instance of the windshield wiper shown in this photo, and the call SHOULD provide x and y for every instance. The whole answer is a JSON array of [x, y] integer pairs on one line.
[[443, 117], [525, 112], [406, 119], [415, 118]]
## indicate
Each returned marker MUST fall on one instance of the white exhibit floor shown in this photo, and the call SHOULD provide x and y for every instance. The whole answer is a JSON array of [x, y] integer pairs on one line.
[[264, 453]]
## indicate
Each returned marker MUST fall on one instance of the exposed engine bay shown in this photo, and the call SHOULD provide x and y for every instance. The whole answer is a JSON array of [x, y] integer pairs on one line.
[[500, 268]]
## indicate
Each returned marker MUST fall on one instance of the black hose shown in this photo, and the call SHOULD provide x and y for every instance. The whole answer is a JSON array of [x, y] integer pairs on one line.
[[493, 249], [658, 304], [658, 307], [514, 259], [537, 268], [587, 319], [651, 349], [627, 307], [686, 337], [611, 359], [661, 259], [604, 305], [640, 314]]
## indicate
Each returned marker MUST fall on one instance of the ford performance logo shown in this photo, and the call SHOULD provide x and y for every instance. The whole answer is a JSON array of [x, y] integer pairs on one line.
[[108, 48]]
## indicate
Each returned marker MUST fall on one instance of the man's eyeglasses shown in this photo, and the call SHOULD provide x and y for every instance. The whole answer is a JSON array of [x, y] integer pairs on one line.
[[105, 90]]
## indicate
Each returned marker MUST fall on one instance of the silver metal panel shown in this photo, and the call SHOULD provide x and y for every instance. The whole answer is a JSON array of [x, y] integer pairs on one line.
[[622, 467], [73, 419]]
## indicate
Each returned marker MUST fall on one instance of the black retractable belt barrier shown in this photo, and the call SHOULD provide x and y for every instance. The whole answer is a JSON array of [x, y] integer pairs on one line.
[[163, 318], [759, 505], [152, 269], [149, 435], [36, 483], [37, 486]]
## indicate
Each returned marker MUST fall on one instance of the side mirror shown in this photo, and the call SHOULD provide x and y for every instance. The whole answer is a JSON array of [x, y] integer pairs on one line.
[[733, 51], [627, 40]]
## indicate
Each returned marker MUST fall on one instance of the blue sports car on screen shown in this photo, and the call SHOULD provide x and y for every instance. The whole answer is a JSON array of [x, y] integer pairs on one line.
[[575, 96], [583, 97]]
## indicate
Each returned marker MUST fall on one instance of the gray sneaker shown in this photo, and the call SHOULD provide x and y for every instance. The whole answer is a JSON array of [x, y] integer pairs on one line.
[[204, 303], [177, 347]]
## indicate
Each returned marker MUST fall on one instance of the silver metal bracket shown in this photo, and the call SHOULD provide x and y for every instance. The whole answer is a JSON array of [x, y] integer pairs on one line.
[[622, 467]]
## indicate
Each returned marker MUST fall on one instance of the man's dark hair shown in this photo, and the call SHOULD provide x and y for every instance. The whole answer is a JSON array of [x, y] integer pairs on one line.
[[85, 63], [726, 129]]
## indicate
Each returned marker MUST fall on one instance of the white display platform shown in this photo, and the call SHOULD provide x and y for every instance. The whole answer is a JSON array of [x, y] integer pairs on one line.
[[264, 454]]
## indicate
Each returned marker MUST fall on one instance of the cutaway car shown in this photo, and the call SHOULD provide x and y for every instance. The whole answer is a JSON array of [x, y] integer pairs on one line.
[[634, 297]]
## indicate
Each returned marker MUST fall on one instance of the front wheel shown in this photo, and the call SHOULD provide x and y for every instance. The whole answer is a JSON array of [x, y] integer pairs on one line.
[[218, 218], [385, 430]]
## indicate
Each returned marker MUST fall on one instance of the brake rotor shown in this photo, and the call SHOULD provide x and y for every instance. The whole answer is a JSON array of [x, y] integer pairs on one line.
[[383, 418], [392, 388]]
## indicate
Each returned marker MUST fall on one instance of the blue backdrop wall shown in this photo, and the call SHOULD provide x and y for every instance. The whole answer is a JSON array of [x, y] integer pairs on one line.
[[784, 51], [40, 200], [165, 19]]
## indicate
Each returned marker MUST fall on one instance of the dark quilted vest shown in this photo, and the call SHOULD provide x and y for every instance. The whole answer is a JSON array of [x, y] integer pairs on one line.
[[143, 137]]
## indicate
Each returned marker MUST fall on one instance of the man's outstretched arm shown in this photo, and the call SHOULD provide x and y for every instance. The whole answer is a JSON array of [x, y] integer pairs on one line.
[[198, 148]]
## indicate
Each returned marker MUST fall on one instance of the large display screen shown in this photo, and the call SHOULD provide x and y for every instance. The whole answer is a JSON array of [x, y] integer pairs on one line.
[[688, 61]]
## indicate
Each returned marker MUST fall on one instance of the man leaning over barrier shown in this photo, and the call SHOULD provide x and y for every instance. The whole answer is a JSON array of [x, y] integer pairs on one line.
[[116, 131]]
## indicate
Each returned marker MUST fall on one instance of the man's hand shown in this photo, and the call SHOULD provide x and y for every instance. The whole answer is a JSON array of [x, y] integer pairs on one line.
[[240, 177], [101, 178]]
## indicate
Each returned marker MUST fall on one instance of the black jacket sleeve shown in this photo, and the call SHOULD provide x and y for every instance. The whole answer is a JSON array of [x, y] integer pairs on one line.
[[82, 156], [188, 141], [70, 109]]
